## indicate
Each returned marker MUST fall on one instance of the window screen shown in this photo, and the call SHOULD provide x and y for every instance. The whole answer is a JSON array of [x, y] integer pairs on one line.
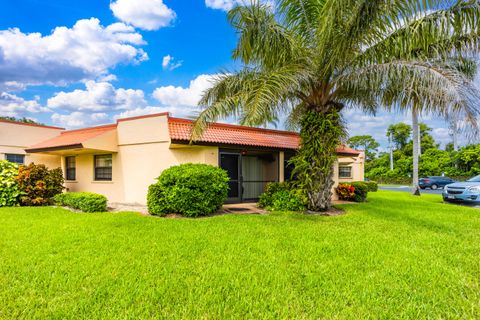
[[16, 158], [70, 168], [345, 172], [103, 167]]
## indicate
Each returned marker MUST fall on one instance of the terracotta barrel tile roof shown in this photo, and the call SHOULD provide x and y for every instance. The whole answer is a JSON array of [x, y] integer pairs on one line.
[[179, 129], [226, 134], [218, 133], [72, 138]]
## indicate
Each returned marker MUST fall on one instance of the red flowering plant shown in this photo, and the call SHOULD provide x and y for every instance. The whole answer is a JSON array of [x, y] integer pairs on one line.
[[346, 192]]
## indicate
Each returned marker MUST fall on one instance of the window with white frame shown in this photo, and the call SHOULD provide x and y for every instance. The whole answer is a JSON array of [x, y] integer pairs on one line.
[[344, 172]]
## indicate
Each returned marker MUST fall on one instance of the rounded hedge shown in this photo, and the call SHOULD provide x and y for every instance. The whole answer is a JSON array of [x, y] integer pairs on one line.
[[84, 201], [282, 196], [361, 191], [188, 189], [372, 186]]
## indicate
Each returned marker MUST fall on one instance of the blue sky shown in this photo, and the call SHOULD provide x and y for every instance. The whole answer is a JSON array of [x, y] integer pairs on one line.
[[82, 63]]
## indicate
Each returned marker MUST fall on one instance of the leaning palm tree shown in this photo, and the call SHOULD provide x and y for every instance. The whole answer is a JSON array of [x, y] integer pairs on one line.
[[308, 60]]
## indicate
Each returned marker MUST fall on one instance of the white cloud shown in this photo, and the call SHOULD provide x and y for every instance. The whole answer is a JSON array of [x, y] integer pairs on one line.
[[79, 119], [10, 86], [169, 63], [179, 101], [186, 98], [227, 5], [108, 78], [15, 106], [98, 96], [143, 14], [85, 51]]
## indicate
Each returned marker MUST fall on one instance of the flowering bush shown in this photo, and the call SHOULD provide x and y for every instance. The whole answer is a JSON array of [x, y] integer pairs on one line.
[[38, 184], [9, 191], [346, 192]]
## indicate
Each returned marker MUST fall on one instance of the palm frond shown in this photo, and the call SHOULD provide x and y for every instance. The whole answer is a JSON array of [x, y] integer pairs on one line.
[[433, 88], [263, 41], [426, 33], [252, 95]]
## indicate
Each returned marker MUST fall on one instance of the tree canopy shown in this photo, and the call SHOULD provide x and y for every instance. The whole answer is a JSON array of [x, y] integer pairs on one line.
[[366, 143], [305, 57]]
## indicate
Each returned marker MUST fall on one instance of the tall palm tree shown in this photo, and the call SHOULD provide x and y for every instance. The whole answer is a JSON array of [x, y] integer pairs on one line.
[[468, 68], [311, 59]]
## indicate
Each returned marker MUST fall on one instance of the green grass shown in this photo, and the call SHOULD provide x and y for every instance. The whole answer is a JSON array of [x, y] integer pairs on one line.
[[394, 257]]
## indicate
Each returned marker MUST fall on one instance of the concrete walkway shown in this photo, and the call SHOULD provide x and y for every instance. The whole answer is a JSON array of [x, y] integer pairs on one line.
[[235, 208]]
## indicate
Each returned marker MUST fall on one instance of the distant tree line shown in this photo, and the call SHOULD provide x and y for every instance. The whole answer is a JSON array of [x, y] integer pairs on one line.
[[24, 120], [434, 161]]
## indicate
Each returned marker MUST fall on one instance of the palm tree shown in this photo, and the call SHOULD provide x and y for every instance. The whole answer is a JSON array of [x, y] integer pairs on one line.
[[468, 68], [311, 59]]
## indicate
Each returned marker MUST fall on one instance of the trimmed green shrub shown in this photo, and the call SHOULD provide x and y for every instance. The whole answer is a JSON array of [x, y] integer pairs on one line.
[[84, 201], [189, 189], [372, 186], [287, 201], [38, 184], [282, 196], [9, 191], [266, 198], [361, 191]]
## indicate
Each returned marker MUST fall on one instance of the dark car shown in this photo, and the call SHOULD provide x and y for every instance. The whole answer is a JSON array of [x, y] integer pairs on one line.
[[434, 182]]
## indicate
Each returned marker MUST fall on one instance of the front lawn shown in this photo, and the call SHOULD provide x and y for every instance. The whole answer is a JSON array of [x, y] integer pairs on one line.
[[394, 257]]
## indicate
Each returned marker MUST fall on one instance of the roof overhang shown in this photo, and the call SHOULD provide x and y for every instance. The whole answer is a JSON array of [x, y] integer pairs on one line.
[[93, 140], [176, 143], [179, 143], [74, 149]]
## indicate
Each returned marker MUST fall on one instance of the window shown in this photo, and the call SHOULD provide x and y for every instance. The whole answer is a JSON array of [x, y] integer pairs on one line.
[[345, 172], [15, 158], [103, 167], [70, 168]]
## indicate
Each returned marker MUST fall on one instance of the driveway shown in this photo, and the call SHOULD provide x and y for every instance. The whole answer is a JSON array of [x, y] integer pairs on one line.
[[409, 189]]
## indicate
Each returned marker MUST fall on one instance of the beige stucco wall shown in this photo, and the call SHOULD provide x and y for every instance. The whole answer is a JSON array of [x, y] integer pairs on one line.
[[16, 137], [142, 164], [145, 150], [85, 181]]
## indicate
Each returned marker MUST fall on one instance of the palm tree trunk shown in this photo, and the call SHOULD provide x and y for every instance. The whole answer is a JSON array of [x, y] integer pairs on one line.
[[416, 147], [320, 136]]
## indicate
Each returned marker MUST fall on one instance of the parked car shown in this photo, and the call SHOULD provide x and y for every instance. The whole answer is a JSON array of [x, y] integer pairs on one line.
[[434, 182], [468, 191]]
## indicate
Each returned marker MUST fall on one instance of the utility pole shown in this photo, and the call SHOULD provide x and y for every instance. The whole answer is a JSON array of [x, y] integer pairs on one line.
[[454, 133], [416, 147], [391, 150]]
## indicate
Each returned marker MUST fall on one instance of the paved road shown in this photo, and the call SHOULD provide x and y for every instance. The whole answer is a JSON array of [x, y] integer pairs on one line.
[[409, 189]]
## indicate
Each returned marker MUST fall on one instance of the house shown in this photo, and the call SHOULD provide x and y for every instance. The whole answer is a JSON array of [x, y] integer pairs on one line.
[[15, 137], [121, 160]]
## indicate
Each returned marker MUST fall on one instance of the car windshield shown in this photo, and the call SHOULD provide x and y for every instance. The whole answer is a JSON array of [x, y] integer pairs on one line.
[[474, 179]]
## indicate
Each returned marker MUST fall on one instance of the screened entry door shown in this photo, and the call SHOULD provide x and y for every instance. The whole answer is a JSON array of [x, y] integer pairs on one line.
[[230, 162], [249, 174]]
